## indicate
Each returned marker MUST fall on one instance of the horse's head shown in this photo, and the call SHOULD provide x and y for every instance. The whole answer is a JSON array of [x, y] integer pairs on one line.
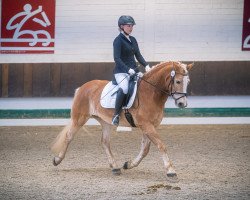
[[179, 82], [175, 82]]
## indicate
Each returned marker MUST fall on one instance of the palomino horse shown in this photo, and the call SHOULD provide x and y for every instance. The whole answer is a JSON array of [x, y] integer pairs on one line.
[[165, 79]]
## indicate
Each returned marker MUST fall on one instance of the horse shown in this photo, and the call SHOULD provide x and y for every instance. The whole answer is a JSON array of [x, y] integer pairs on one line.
[[163, 80]]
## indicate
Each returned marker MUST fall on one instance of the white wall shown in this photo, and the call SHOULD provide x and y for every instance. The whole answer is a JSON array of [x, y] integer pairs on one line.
[[190, 30]]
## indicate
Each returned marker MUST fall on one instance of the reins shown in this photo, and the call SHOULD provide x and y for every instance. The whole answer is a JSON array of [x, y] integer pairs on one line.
[[162, 90]]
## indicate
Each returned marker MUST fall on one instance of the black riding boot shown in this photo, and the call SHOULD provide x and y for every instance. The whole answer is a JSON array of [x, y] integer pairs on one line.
[[118, 106]]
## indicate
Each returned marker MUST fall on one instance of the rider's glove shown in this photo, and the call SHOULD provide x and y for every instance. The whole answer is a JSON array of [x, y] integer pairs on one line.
[[140, 74], [147, 68], [131, 72]]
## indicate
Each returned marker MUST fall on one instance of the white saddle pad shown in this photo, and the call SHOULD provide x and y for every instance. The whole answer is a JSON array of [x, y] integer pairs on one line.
[[108, 96]]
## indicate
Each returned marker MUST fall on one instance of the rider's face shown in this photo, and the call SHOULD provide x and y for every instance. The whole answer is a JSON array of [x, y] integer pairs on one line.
[[128, 28]]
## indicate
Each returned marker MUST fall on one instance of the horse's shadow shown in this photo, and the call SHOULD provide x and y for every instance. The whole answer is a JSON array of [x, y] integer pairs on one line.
[[104, 172]]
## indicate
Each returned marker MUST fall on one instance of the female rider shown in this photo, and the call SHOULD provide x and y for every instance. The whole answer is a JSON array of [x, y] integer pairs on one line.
[[125, 49]]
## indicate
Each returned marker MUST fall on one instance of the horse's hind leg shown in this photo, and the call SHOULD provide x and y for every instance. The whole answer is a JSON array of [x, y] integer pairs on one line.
[[145, 145], [79, 116], [62, 142], [106, 131]]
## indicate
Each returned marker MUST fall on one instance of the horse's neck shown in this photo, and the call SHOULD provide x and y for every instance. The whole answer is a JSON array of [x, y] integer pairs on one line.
[[157, 77]]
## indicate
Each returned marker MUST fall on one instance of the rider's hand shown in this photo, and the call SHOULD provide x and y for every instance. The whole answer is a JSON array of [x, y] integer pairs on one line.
[[140, 74], [131, 72], [147, 68]]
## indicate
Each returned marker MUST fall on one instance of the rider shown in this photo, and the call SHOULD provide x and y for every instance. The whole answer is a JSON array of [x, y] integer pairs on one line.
[[125, 49]]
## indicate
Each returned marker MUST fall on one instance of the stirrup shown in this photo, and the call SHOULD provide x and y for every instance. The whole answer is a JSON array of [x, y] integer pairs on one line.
[[115, 120]]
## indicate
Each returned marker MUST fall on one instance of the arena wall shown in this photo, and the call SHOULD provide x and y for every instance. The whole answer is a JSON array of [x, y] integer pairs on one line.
[[61, 79], [208, 32]]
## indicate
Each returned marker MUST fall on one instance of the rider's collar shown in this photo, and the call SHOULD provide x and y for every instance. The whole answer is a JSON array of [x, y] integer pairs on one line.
[[127, 36]]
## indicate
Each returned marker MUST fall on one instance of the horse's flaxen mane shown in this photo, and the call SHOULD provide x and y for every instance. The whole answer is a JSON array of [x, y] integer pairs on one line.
[[174, 63], [158, 67], [164, 63], [161, 64]]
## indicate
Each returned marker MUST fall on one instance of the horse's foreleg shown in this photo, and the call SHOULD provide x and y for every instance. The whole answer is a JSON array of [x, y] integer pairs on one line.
[[145, 145], [106, 131], [155, 138]]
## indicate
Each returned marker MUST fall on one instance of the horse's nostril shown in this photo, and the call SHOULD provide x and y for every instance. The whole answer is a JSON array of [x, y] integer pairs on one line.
[[180, 104]]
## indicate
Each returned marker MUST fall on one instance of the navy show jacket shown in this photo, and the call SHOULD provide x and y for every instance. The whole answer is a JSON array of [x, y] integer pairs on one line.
[[125, 52]]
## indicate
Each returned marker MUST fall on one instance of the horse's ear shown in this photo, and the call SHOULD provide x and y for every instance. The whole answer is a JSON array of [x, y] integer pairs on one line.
[[189, 66]]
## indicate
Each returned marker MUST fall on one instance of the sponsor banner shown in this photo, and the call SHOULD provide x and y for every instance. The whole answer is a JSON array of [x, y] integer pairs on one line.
[[27, 26], [246, 27]]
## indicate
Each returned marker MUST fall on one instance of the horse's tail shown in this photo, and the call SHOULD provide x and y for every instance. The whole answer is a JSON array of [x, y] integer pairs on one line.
[[59, 143]]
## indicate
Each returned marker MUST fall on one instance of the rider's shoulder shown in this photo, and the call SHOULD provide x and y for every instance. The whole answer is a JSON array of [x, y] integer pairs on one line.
[[118, 39]]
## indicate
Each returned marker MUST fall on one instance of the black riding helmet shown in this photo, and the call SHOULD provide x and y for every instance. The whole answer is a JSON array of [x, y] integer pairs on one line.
[[125, 20]]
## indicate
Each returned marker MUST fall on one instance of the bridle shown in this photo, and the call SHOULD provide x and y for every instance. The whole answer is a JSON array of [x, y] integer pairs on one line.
[[170, 85]]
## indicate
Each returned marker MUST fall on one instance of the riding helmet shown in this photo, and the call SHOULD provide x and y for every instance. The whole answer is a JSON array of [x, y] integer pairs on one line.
[[126, 19]]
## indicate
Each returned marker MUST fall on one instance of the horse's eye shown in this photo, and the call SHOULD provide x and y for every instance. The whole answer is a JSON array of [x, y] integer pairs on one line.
[[178, 82]]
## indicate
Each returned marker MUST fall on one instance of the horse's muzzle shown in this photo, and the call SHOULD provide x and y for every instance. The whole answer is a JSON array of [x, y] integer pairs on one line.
[[181, 102], [181, 105]]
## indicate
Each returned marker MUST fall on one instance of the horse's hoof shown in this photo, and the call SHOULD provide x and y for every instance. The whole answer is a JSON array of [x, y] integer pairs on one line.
[[126, 164], [172, 177], [56, 161], [116, 172]]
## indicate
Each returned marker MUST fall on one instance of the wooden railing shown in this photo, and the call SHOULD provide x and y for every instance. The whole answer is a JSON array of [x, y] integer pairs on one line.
[[61, 79]]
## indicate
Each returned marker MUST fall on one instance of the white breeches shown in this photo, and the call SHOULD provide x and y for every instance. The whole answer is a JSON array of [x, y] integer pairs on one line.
[[122, 80]]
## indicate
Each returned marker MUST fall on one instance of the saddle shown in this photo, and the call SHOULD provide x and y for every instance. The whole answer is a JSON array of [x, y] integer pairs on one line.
[[108, 96]]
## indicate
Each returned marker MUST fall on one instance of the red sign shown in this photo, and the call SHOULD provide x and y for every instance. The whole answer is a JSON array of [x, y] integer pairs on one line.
[[246, 27], [27, 26]]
